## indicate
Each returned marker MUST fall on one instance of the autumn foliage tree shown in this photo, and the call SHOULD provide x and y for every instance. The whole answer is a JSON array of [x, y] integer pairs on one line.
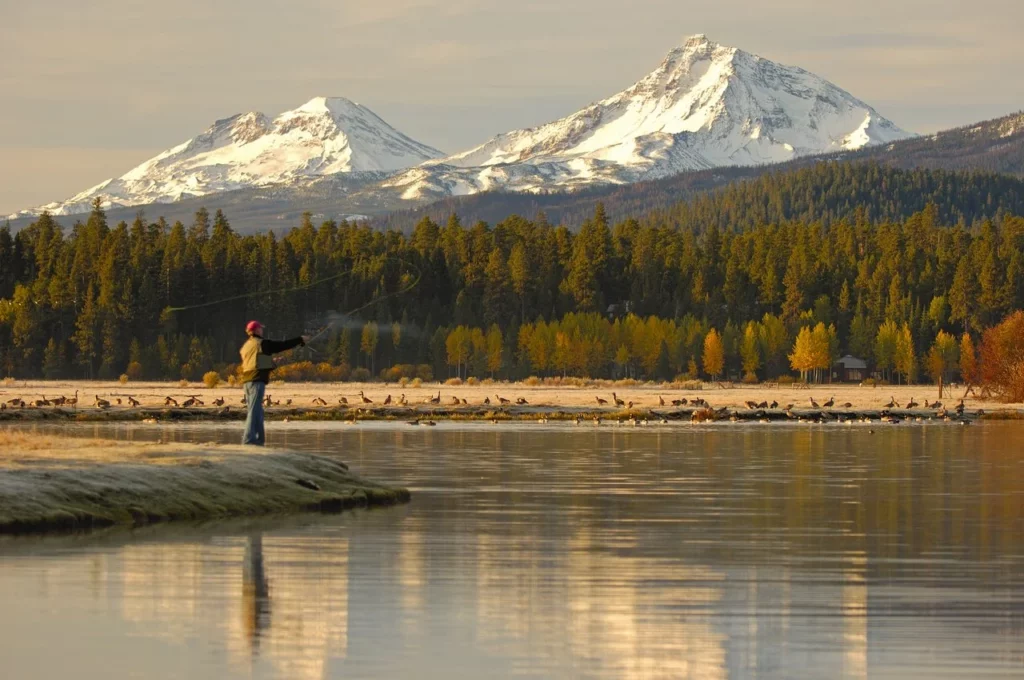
[[1002, 358], [713, 358]]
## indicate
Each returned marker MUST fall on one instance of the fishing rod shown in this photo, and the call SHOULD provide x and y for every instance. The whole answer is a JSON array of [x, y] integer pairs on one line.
[[327, 326]]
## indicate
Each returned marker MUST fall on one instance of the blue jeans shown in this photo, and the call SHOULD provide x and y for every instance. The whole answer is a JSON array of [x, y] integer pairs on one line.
[[254, 421]]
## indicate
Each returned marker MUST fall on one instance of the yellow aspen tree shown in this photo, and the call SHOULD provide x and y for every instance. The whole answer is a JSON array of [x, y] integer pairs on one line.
[[713, 358]]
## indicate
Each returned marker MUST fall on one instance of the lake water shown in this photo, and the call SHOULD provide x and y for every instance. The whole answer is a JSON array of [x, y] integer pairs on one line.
[[541, 551]]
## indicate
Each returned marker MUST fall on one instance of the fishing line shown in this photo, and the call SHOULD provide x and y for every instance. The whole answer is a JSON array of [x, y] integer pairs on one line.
[[375, 300], [294, 289], [245, 296]]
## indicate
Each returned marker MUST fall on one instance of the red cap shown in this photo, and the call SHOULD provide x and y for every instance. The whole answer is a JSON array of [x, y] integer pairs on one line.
[[253, 327]]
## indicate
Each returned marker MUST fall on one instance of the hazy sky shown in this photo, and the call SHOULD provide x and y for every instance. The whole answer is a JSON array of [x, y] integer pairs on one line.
[[90, 89]]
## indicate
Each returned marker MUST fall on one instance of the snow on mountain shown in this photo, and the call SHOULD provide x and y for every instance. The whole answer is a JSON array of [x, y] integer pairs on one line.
[[322, 137], [706, 105]]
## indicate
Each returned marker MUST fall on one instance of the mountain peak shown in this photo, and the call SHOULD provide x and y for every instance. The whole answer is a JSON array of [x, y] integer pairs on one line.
[[324, 136], [333, 105]]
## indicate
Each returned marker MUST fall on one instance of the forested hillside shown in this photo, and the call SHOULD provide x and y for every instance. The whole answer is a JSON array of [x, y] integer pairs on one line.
[[825, 192], [993, 146], [638, 296]]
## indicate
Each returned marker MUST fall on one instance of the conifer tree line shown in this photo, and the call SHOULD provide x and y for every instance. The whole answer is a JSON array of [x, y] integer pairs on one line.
[[518, 298]]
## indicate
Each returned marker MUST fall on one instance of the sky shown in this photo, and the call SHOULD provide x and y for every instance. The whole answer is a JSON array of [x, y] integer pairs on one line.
[[90, 89]]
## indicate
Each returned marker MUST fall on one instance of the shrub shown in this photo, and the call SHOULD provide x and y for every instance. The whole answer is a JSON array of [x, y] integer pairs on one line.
[[183, 383], [453, 381], [359, 375], [785, 380], [532, 381], [416, 382], [750, 378], [134, 371], [232, 380], [123, 379], [472, 380], [403, 381], [9, 381], [424, 373], [211, 379]]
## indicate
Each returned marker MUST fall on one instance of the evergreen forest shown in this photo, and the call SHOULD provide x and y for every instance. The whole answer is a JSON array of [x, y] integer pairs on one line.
[[726, 286]]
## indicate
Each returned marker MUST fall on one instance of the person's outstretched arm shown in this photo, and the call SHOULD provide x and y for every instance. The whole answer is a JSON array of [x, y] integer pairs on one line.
[[275, 346]]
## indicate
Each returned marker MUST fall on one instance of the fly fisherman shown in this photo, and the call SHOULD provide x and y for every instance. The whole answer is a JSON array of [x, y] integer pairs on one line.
[[256, 367]]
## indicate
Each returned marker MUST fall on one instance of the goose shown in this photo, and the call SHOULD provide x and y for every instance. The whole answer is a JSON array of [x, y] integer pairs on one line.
[[814, 404], [576, 420], [629, 405], [366, 400], [661, 401], [267, 401], [319, 401], [243, 401], [149, 421], [763, 404], [118, 400], [912, 403], [774, 404], [618, 402], [191, 401], [847, 405], [402, 400], [101, 403], [72, 401], [751, 404], [487, 401], [789, 407], [521, 401], [465, 402], [133, 402], [600, 401], [40, 402], [59, 401], [455, 401], [387, 400], [830, 403], [892, 402], [342, 401], [502, 400], [960, 408], [679, 402], [435, 400], [287, 402]]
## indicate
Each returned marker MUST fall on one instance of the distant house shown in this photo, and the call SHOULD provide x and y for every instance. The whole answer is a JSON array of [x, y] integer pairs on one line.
[[850, 369]]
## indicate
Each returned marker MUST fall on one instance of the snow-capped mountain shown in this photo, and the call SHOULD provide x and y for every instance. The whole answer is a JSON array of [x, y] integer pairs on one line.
[[324, 136], [706, 105]]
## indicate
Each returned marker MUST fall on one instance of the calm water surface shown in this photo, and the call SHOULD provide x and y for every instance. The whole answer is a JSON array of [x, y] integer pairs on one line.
[[559, 551]]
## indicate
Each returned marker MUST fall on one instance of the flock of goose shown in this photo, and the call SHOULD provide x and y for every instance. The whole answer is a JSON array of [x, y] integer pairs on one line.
[[701, 410]]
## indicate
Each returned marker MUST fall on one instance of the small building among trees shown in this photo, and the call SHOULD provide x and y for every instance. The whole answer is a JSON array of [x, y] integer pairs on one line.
[[850, 369]]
